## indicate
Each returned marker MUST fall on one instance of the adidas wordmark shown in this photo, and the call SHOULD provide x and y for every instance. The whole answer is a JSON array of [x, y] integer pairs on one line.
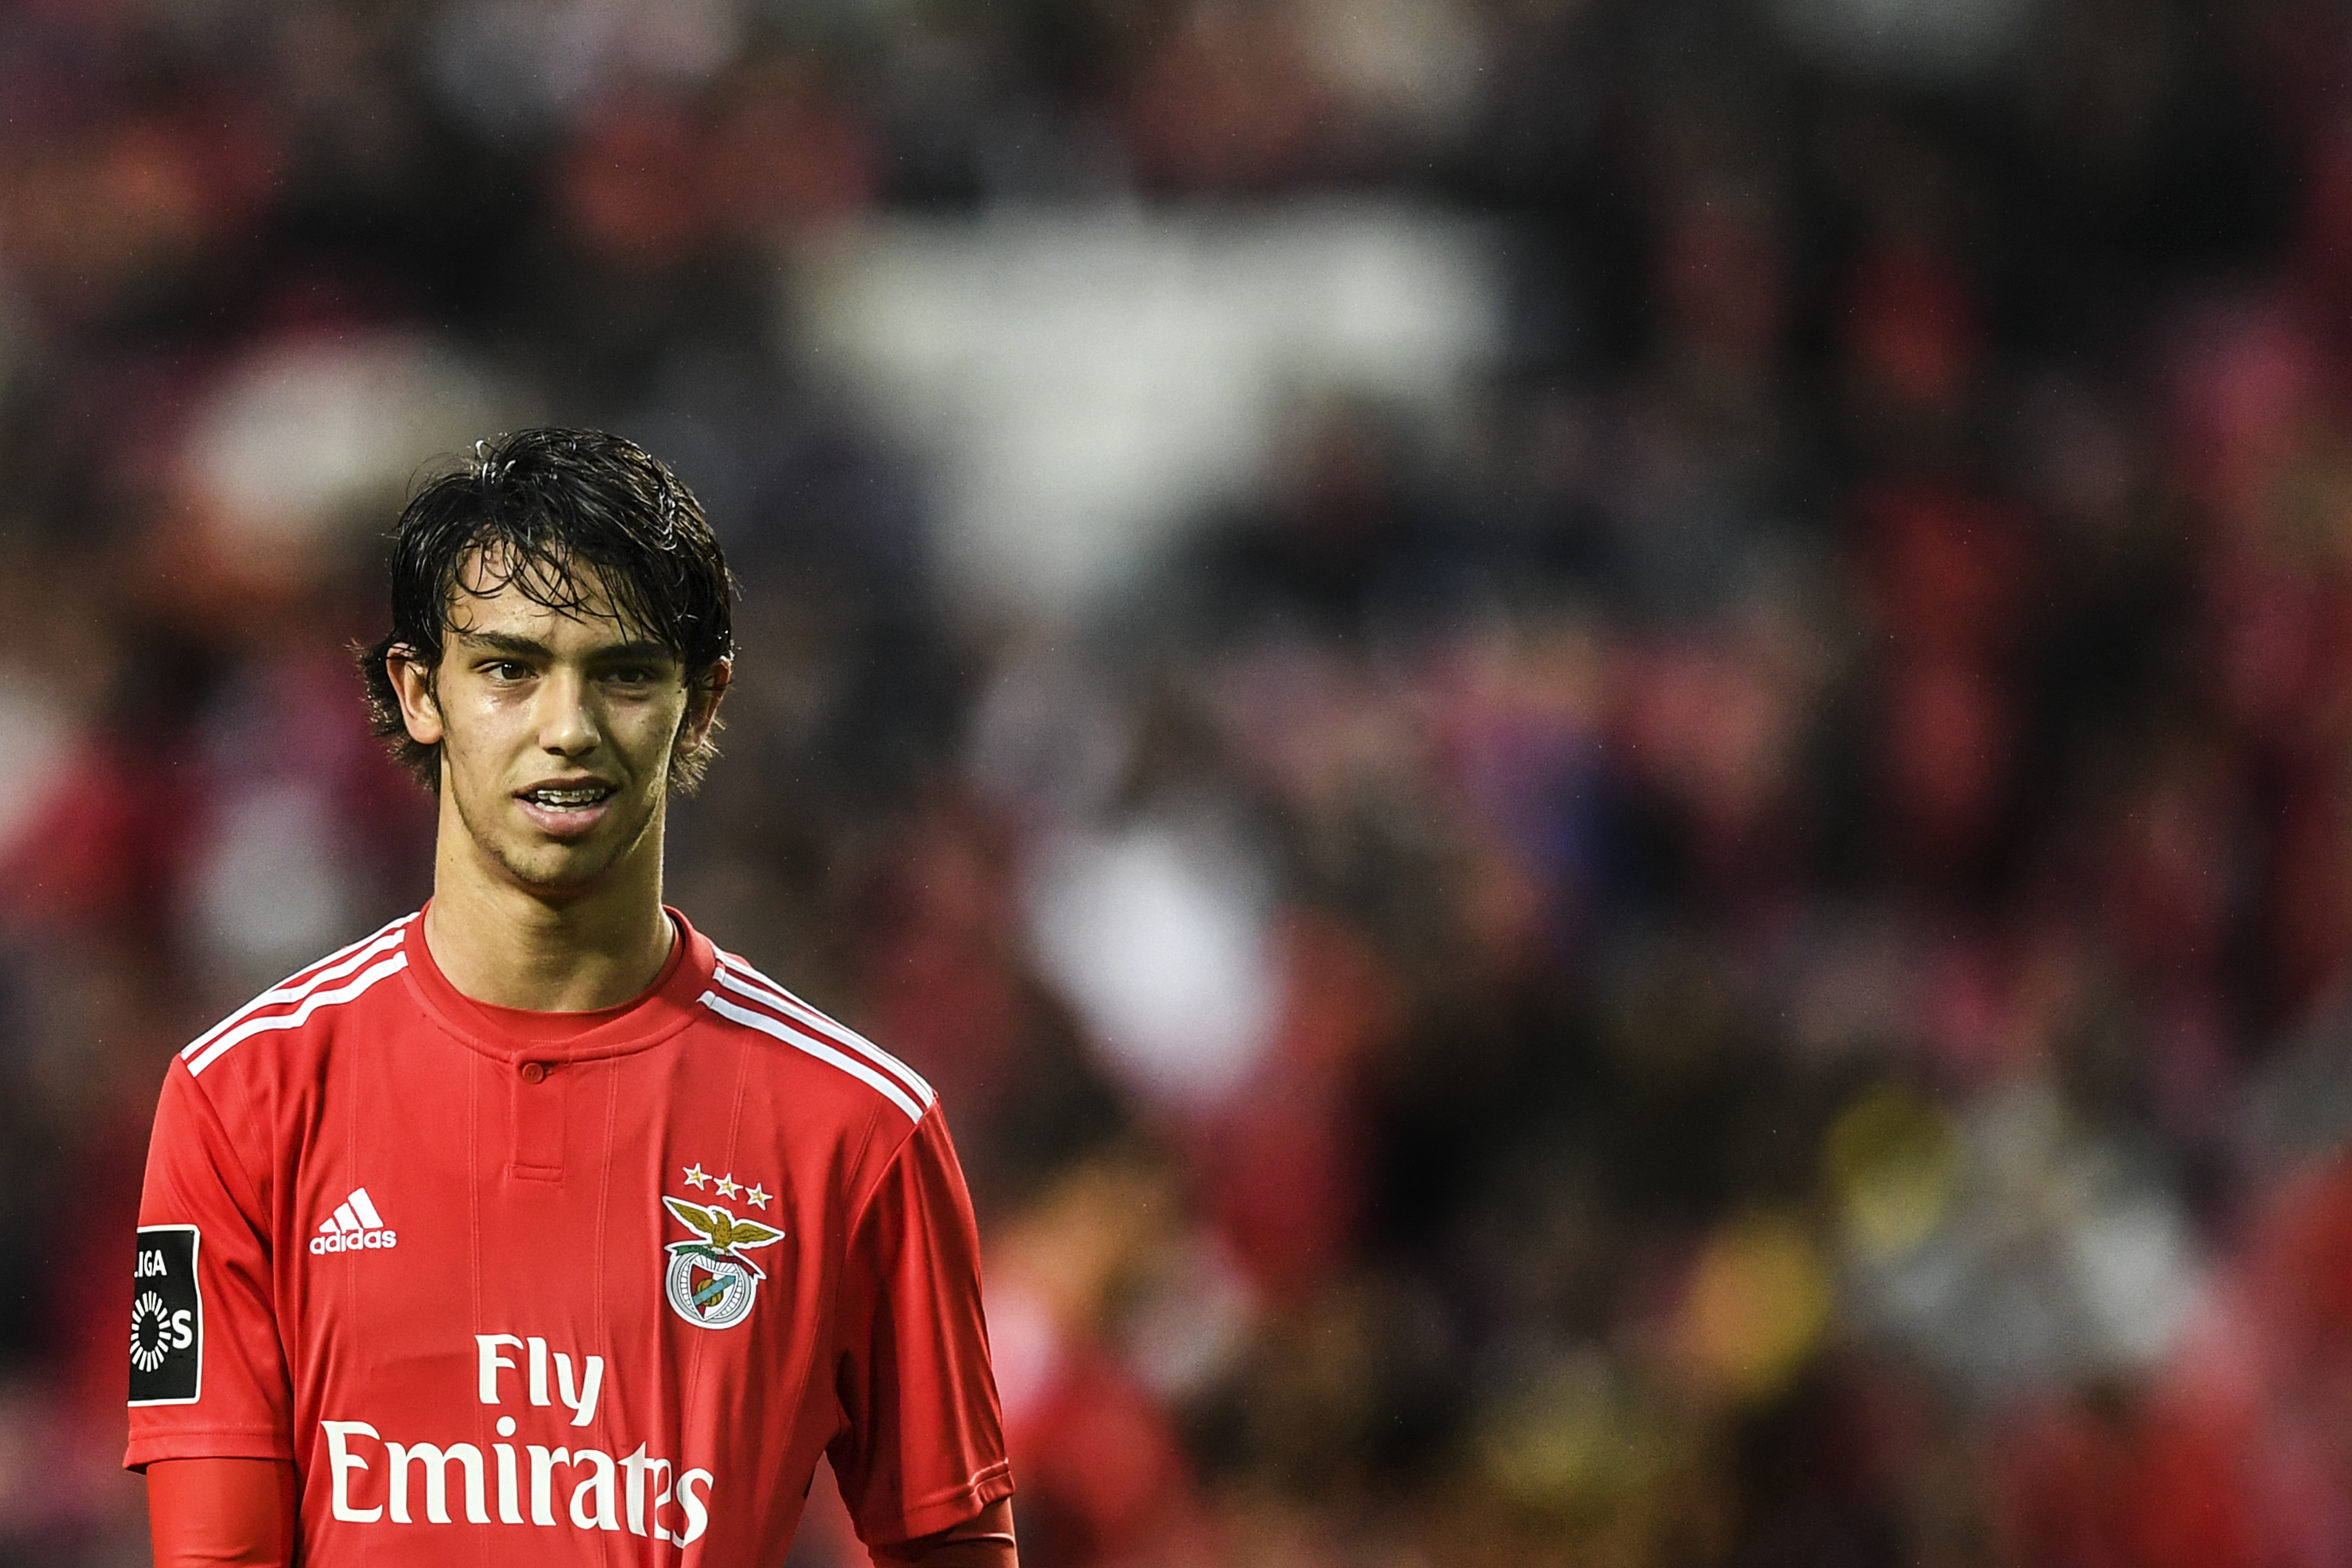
[[355, 1224]]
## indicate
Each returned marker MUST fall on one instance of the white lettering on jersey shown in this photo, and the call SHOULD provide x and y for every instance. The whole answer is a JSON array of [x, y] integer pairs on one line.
[[591, 1378], [600, 1492], [437, 1461], [353, 1227], [580, 1398], [342, 1462]]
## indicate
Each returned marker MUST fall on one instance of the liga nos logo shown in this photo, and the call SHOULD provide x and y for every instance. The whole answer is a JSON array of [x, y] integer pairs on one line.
[[354, 1226], [167, 1317], [709, 1282]]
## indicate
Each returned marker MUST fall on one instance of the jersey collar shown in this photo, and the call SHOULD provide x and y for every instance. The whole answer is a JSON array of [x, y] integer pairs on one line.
[[512, 1033]]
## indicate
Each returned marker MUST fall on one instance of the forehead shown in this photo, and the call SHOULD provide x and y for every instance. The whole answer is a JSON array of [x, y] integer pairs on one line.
[[490, 599]]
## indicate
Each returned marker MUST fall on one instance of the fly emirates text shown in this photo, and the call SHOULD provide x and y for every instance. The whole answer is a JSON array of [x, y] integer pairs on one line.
[[374, 1477]]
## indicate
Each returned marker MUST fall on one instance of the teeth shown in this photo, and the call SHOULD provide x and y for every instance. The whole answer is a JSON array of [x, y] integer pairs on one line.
[[567, 796]]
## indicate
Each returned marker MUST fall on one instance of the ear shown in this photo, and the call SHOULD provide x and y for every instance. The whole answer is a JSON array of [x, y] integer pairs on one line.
[[702, 708], [412, 682]]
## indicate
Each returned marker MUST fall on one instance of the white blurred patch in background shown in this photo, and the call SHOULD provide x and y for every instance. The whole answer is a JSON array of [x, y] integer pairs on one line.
[[274, 887], [518, 65], [1927, 40], [38, 737], [1403, 63], [1160, 933], [2062, 1255], [1192, 1317], [307, 433], [1085, 381]]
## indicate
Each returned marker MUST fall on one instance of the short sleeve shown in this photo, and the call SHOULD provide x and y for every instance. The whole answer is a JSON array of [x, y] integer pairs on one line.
[[207, 1375], [922, 1446]]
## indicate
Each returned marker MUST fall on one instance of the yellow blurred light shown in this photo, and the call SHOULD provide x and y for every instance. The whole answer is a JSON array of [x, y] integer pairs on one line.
[[1891, 1163], [1574, 1439], [1758, 1303]]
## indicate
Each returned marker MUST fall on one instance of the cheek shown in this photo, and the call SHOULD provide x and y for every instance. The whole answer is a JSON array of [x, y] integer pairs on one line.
[[654, 729], [474, 730]]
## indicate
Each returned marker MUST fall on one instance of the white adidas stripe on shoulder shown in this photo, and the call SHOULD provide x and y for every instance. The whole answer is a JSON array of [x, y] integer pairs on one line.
[[776, 1028], [312, 992], [302, 982], [300, 1015], [738, 975]]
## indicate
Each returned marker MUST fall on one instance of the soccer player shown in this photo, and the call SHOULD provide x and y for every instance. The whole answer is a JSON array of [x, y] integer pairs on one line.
[[534, 1228]]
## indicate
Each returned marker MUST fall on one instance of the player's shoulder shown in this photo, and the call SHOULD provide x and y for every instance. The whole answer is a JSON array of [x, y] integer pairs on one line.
[[304, 1005], [807, 1043]]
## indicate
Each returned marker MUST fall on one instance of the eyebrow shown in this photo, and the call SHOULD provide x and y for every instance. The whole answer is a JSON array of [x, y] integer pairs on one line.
[[507, 642]]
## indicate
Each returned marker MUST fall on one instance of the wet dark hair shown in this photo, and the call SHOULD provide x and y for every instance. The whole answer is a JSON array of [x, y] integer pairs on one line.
[[532, 507]]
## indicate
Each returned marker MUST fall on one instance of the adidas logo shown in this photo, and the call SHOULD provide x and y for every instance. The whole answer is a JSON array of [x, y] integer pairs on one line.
[[355, 1224]]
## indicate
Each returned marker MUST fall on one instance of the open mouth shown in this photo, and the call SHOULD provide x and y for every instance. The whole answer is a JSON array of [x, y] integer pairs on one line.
[[570, 797], [567, 811]]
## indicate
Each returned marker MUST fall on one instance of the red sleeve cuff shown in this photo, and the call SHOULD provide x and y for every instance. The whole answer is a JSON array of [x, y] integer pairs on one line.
[[948, 1510], [219, 1443]]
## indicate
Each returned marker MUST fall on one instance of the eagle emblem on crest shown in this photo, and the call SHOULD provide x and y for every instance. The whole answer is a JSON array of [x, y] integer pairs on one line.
[[709, 1282]]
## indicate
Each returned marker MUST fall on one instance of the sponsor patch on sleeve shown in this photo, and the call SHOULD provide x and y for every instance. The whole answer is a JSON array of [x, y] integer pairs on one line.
[[167, 1317]]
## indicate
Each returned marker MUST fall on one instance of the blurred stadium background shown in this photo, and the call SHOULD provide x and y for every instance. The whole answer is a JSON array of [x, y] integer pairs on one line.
[[1604, 745]]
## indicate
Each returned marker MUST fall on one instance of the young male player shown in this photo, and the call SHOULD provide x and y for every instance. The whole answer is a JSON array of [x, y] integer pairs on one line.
[[534, 1228]]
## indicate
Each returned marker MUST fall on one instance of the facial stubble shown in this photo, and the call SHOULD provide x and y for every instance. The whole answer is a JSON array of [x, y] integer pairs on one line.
[[624, 839]]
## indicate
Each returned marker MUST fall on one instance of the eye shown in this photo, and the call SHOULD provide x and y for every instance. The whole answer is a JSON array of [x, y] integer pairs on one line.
[[506, 669]]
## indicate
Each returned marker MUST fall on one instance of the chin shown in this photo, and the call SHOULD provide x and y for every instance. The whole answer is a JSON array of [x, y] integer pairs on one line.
[[554, 876]]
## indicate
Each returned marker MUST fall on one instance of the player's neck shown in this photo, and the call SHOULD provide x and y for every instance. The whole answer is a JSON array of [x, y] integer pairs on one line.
[[508, 946]]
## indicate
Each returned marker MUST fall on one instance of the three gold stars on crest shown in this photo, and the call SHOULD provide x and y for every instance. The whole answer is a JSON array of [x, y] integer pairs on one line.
[[729, 1187]]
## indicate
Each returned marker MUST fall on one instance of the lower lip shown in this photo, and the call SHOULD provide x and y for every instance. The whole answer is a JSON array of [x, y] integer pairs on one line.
[[565, 822]]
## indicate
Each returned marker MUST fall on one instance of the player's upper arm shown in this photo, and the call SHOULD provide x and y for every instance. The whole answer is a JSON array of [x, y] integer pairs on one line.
[[207, 1374], [922, 1446]]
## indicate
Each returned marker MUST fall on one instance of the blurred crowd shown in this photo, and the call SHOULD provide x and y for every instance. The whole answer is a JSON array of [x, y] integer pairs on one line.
[[1734, 947]]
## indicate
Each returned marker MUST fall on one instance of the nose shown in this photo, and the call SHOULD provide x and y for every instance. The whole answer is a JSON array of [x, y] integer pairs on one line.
[[567, 725]]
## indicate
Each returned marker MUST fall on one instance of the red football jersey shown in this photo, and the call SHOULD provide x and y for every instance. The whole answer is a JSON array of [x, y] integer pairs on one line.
[[539, 1287]]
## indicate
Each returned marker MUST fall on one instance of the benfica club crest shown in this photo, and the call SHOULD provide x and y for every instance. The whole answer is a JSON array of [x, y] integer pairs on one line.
[[710, 1283]]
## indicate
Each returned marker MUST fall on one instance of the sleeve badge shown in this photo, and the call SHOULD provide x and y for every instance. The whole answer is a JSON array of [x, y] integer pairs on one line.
[[167, 1317]]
